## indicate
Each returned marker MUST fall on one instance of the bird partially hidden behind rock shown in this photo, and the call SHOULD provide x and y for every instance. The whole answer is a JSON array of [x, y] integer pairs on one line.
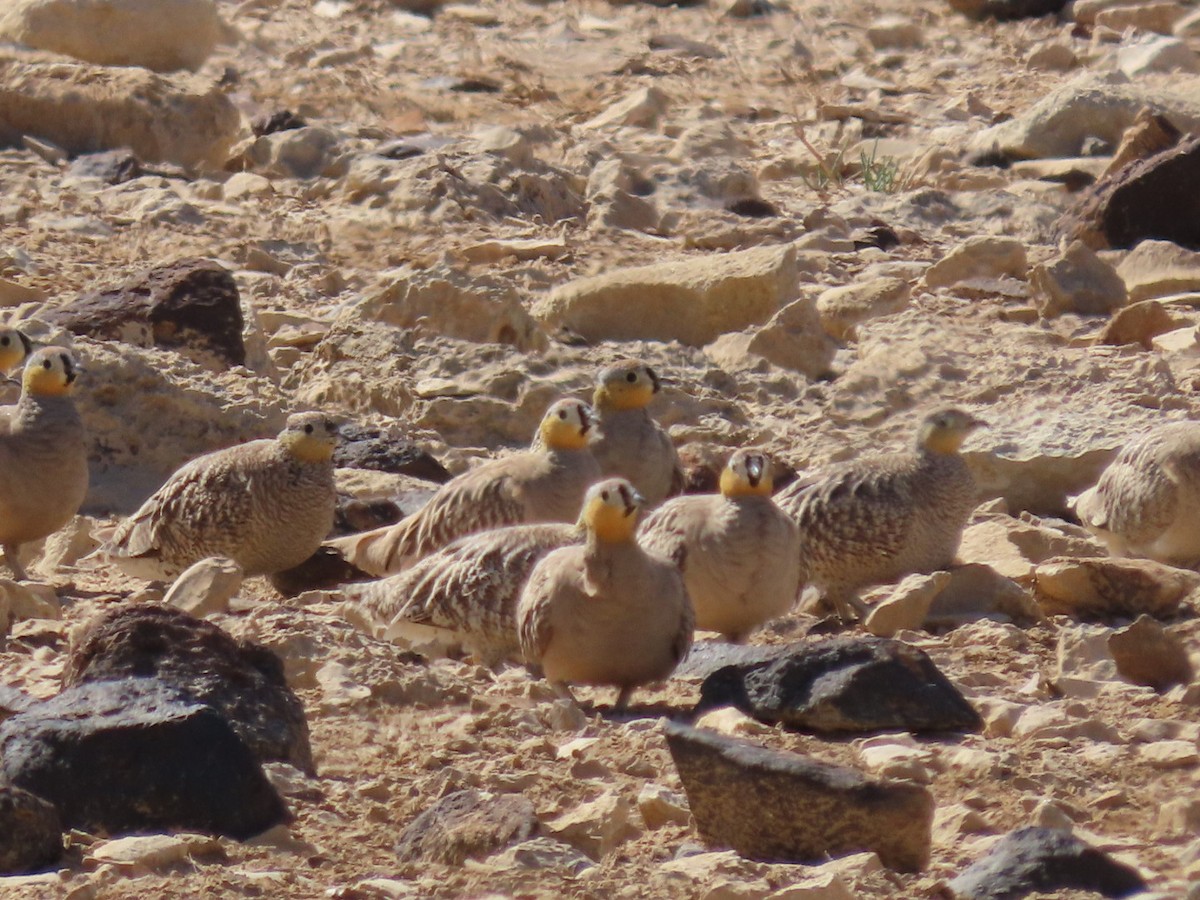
[[267, 505], [467, 591], [741, 552], [15, 348], [606, 612], [1147, 502], [631, 444], [43, 455], [543, 484], [873, 520]]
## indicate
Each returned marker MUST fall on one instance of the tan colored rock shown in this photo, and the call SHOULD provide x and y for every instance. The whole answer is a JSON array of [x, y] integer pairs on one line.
[[595, 828], [842, 308], [164, 35], [1156, 53], [691, 299], [30, 600], [982, 256], [1146, 653], [1013, 547], [206, 587], [792, 339], [1052, 56], [895, 32], [180, 119], [1139, 323], [1078, 281], [906, 605], [145, 853], [975, 591], [1159, 16], [1111, 587], [1158, 269], [67, 546], [660, 806], [642, 108]]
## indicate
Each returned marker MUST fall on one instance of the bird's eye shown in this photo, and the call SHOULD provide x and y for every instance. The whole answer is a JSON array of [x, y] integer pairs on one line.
[[631, 377], [308, 429], [562, 413], [604, 495], [46, 364], [5, 341]]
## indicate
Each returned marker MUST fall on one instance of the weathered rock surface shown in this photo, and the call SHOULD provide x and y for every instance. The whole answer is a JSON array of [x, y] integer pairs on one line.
[[191, 305], [1104, 588], [206, 587], [144, 853], [467, 825], [30, 832], [842, 308], [981, 256], [83, 109], [692, 300], [386, 450], [1007, 10], [1044, 859], [1159, 269], [241, 680], [132, 755], [777, 806], [1138, 323], [1146, 653], [843, 685], [1077, 282], [163, 35]]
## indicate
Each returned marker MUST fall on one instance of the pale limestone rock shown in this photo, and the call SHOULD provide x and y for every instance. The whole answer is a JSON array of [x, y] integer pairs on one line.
[[733, 722], [1050, 720], [163, 35], [452, 303], [977, 590], [206, 587], [180, 119], [597, 827], [30, 600], [141, 854], [1013, 547], [895, 32], [660, 806], [642, 109], [1179, 818], [242, 185], [1157, 53], [1170, 754], [1111, 587], [982, 256], [1052, 57], [1082, 653], [1159, 268], [307, 152], [1085, 11], [1139, 323], [67, 546], [818, 886], [1159, 16], [792, 339], [842, 308], [1146, 653], [1078, 281], [891, 758], [691, 299], [906, 605]]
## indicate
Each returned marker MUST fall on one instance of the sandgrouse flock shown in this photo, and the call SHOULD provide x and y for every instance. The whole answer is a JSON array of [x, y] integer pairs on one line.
[[577, 557]]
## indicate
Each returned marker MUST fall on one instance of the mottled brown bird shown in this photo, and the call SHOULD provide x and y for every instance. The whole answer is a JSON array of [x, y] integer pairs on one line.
[[543, 484], [631, 444], [876, 519], [1147, 502], [43, 455], [468, 590], [606, 612], [267, 505], [740, 552]]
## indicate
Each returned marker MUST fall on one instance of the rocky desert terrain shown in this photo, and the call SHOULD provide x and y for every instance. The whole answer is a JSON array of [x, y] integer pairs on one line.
[[816, 221]]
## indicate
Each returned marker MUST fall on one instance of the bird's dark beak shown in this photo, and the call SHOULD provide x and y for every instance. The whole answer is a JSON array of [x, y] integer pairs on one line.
[[587, 420], [754, 470], [70, 370], [632, 500], [25, 342], [654, 380]]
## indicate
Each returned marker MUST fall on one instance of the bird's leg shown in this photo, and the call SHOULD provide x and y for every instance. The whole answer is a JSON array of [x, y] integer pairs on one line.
[[14, 561], [563, 691], [623, 698], [848, 606]]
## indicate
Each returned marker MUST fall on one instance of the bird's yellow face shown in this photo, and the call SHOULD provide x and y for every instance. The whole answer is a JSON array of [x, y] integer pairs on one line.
[[748, 473], [567, 425], [50, 372], [310, 437], [626, 385], [610, 510], [945, 430], [15, 347]]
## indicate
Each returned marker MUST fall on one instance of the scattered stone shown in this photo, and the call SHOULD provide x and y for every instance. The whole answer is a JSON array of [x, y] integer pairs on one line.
[[1077, 282], [281, 120], [1146, 653], [206, 587], [1158, 16], [660, 806], [145, 853], [113, 167], [30, 832], [466, 825], [843, 684], [164, 36], [543, 853], [842, 308], [1138, 323], [982, 256], [133, 755], [1007, 10], [386, 450], [191, 305], [323, 570], [307, 152], [29, 600], [906, 605], [1107, 588], [640, 109], [597, 827], [1159, 269], [793, 339], [894, 32], [1156, 53], [85, 108], [1170, 754], [775, 806], [692, 300], [1044, 859], [241, 680], [1142, 201], [1052, 57], [976, 591]]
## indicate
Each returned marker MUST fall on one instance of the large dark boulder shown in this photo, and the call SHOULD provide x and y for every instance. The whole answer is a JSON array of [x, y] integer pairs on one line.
[[783, 807], [386, 450], [134, 755], [843, 685], [30, 832], [241, 680]]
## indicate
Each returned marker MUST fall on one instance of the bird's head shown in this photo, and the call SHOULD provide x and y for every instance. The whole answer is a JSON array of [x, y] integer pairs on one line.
[[626, 385], [310, 436], [610, 510], [748, 472]]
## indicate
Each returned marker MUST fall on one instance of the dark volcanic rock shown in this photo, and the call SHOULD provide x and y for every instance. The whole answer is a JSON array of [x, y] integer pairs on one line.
[[843, 684], [1007, 10], [467, 825], [134, 755], [30, 832], [386, 451], [191, 305], [353, 515], [784, 807], [1142, 201], [282, 120], [1044, 859], [241, 680], [323, 570]]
